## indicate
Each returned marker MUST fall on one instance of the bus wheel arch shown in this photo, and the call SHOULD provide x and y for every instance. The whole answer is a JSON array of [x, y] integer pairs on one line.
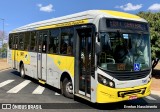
[[66, 85], [21, 69]]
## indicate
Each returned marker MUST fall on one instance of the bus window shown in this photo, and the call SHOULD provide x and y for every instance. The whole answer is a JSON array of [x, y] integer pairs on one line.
[[33, 41], [54, 41], [44, 42], [21, 41], [26, 41], [11, 41], [67, 41], [15, 43]]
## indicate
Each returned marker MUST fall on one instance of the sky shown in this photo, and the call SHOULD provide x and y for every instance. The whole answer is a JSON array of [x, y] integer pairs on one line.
[[17, 13]]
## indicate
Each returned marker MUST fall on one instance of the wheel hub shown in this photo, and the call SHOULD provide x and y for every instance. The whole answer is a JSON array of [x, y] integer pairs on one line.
[[69, 87]]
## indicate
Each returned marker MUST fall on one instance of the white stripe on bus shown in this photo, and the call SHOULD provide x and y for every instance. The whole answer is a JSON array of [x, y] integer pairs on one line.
[[5, 83], [38, 90], [20, 86]]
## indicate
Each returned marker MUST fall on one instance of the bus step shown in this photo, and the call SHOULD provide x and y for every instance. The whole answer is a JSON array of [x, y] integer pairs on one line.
[[84, 97], [42, 82]]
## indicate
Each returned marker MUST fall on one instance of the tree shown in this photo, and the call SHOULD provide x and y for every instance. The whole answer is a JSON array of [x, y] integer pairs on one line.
[[154, 25], [3, 48]]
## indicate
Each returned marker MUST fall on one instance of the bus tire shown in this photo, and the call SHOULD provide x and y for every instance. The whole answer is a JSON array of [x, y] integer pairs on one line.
[[67, 88], [22, 71]]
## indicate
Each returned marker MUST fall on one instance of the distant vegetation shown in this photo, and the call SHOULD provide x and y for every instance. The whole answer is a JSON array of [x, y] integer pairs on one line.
[[154, 23], [3, 48]]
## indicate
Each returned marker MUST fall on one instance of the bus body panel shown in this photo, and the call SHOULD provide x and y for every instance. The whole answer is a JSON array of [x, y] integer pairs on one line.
[[9, 57], [56, 66], [53, 72], [93, 89], [33, 65], [106, 94]]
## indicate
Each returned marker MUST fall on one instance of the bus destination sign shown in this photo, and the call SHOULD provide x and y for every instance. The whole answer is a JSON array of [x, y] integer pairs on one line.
[[120, 24]]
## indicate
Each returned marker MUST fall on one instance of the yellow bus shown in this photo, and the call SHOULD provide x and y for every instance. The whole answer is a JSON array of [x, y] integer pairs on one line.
[[102, 56]]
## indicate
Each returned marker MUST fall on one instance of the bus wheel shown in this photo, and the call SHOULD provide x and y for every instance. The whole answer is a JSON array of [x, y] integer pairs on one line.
[[67, 88], [22, 72]]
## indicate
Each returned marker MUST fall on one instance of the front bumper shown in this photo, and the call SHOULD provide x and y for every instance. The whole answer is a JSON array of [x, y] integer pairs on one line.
[[108, 95]]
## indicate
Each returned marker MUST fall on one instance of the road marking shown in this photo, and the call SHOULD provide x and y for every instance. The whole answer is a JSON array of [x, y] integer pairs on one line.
[[5, 83], [5, 69], [38, 90], [150, 98], [19, 87], [57, 94]]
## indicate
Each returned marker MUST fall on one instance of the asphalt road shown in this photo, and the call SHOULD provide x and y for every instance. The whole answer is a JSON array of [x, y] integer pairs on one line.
[[26, 93]]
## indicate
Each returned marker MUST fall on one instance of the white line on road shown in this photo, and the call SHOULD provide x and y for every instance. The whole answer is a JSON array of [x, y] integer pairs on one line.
[[5, 69], [150, 98], [5, 83], [19, 87], [38, 90], [57, 94]]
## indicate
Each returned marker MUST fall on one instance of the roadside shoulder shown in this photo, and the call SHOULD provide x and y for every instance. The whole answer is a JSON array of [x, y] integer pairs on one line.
[[154, 92]]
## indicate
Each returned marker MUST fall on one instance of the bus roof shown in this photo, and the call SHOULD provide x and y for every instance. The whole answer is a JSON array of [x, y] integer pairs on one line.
[[89, 16]]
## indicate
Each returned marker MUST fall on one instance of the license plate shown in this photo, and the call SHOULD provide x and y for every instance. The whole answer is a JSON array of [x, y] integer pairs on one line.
[[132, 97]]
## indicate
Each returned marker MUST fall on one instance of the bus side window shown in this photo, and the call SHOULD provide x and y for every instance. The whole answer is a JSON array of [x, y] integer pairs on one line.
[[21, 41], [54, 41], [11, 41], [33, 42], [15, 43], [44, 43], [67, 41], [26, 41]]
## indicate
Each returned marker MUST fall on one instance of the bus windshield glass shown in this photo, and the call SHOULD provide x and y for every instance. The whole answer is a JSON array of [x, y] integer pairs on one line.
[[124, 51]]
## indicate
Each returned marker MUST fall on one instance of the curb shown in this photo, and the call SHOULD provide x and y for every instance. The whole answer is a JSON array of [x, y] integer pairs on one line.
[[154, 92]]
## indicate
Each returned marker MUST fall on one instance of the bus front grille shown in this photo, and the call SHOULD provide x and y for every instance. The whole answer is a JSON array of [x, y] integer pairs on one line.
[[122, 76]]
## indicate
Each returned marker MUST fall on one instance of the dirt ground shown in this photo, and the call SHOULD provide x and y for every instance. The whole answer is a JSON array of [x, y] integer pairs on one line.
[[3, 64], [155, 85]]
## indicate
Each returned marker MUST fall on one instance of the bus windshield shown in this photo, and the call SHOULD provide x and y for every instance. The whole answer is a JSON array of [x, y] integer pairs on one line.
[[124, 51]]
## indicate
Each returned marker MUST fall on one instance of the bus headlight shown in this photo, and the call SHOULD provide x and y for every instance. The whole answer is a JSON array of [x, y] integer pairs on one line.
[[105, 81]]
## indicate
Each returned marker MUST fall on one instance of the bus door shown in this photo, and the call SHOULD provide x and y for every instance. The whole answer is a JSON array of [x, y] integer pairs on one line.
[[84, 61], [15, 54], [41, 55]]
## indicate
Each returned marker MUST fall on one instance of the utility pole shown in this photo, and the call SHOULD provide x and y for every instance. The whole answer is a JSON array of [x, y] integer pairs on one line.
[[2, 33], [3, 30]]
